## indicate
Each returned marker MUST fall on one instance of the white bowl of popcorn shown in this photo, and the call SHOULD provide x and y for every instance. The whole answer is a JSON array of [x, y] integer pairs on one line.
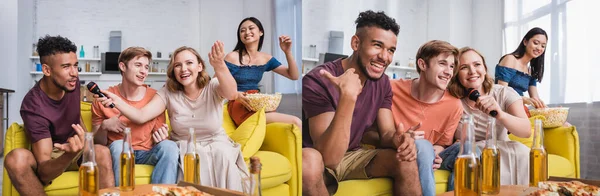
[[555, 117], [269, 101]]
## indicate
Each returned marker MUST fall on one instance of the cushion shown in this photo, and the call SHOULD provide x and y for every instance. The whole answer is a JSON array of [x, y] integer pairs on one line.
[[374, 186], [276, 169], [228, 123], [560, 166], [251, 133], [86, 115], [527, 141]]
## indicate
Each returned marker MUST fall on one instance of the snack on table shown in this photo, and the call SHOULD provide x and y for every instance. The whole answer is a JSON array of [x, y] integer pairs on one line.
[[555, 117], [259, 100], [176, 191], [574, 188]]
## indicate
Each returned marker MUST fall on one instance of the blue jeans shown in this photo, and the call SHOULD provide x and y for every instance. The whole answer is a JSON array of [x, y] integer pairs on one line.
[[425, 157], [448, 156], [164, 156]]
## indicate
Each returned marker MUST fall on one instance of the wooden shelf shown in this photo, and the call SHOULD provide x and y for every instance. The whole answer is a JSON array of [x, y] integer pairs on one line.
[[402, 68], [80, 73], [81, 59], [310, 59]]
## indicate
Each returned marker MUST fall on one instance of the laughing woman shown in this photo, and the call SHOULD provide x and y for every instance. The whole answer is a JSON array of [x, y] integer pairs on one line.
[[514, 156], [194, 100], [247, 65]]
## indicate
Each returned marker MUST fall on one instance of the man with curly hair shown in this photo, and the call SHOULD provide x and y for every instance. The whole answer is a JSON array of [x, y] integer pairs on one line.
[[53, 124], [341, 100]]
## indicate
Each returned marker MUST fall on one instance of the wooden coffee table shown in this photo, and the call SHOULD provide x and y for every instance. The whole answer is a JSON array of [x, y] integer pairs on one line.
[[141, 189], [504, 190]]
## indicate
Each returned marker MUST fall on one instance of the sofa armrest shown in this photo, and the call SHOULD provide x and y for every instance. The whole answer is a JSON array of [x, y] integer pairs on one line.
[[564, 142], [286, 139], [14, 138]]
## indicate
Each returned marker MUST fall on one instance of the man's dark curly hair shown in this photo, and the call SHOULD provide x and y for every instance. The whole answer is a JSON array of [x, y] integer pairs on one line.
[[370, 18], [50, 45]]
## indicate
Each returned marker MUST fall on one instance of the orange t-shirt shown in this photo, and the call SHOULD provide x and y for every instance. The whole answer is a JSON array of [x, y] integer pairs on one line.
[[141, 135], [438, 120]]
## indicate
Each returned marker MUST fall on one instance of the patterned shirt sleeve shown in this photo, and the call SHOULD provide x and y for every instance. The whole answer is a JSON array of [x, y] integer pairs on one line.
[[272, 64], [504, 73]]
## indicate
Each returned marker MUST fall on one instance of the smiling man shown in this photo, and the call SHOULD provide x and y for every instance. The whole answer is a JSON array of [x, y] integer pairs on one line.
[[425, 100], [52, 120], [150, 140], [340, 101]]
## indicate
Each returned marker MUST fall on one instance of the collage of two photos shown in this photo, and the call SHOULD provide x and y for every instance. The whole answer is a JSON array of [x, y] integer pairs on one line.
[[298, 97]]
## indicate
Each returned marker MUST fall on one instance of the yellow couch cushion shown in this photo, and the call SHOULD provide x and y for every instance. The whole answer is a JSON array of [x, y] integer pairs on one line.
[[441, 180], [375, 186], [86, 115], [276, 169], [250, 134], [560, 166]]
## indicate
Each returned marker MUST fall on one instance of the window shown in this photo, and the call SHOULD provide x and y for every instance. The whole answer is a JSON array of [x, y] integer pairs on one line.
[[569, 70]]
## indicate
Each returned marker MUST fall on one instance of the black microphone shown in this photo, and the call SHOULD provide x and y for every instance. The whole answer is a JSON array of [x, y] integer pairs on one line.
[[474, 95], [93, 87]]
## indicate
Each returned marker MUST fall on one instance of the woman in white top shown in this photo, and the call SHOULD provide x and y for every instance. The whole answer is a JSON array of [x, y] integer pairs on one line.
[[194, 100], [471, 72]]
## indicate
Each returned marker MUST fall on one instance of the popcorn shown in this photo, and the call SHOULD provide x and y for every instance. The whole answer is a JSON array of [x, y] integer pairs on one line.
[[555, 117], [259, 100]]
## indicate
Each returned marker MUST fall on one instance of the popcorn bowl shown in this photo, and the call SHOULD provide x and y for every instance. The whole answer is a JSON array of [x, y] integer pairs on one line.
[[269, 101], [555, 117]]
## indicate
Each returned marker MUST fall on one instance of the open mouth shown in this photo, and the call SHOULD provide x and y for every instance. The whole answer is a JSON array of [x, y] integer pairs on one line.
[[377, 66], [473, 78], [444, 79], [141, 78], [185, 76], [72, 82]]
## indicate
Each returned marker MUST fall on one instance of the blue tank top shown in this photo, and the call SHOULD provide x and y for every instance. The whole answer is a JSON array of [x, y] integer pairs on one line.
[[248, 77], [516, 79]]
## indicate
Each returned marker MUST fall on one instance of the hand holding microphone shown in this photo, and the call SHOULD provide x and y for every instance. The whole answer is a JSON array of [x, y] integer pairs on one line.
[[93, 87], [474, 95]]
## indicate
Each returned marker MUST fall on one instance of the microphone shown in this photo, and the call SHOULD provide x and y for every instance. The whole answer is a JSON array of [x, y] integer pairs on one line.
[[93, 87], [474, 95]]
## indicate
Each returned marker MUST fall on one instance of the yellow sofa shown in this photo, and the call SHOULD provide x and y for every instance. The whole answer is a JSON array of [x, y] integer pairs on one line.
[[562, 143], [282, 144]]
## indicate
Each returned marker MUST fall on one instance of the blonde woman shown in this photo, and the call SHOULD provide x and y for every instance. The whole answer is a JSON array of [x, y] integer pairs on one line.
[[471, 72], [194, 100]]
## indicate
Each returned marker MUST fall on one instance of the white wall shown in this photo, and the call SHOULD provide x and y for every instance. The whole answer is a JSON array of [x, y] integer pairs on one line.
[[461, 22], [155, 24], [8, 54]]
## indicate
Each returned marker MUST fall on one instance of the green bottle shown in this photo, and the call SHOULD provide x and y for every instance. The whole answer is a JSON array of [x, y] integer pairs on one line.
[[81, 52]]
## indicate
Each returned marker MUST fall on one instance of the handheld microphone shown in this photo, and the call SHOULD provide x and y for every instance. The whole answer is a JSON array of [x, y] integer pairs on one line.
[[93, 87], [474, 95]]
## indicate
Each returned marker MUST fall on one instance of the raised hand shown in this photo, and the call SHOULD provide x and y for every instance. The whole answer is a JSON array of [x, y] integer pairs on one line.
[[285, 42], [114, 124], [347, 84], [162, 133], [216, 56], [74, 143]]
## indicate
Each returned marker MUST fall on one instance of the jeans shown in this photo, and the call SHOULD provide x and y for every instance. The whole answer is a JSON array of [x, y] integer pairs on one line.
[[425, 157], [164, 156], [448, 156]]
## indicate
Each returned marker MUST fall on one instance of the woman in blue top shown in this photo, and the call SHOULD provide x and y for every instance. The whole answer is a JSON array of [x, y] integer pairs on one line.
[[514, 71], [247, 65]]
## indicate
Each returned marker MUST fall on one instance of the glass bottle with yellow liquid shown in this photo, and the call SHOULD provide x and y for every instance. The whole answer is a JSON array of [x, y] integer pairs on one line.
[[490, 161], [467, 165], [191, 160], [252, 186], [88, 171], [127, 163], [538, 158]]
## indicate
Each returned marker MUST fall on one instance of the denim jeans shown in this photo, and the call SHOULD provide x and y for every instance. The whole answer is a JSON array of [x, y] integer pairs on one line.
[[425, 157], [448, 156], [164, 156]]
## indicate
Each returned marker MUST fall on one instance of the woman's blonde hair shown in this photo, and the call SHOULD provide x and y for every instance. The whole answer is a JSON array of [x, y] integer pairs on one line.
[[172, 84], [456, 89]]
